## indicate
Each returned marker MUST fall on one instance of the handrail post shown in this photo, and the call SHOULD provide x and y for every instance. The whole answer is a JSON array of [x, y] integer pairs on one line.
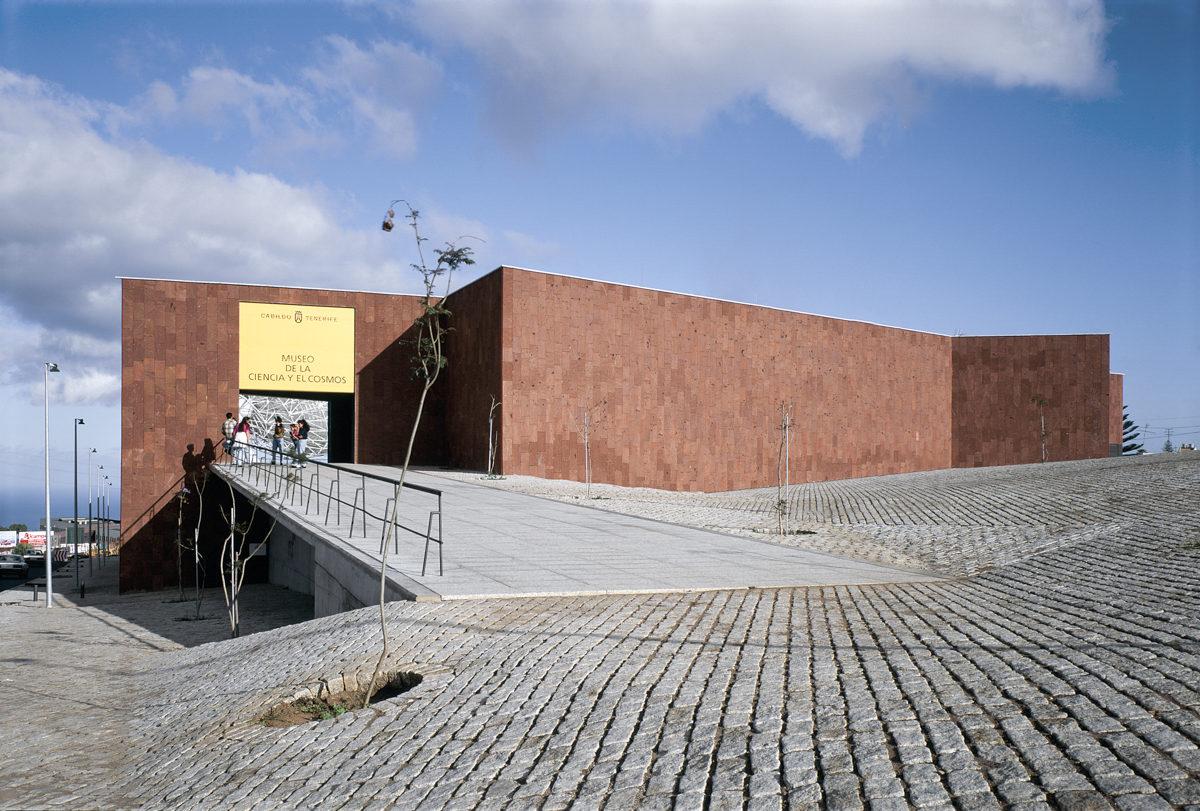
[[428, 534], [396, 509], [384, 528], [330, 500], [354, 509]]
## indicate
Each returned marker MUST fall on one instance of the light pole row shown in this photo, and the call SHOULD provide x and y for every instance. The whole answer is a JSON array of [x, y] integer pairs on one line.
[[103, 514]]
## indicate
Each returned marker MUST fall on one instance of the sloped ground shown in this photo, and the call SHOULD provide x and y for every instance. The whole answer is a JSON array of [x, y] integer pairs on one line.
[[956, 522], [1067, 679]]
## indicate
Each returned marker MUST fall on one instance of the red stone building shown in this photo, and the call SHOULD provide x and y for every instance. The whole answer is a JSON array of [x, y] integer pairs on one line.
[[682, 392]]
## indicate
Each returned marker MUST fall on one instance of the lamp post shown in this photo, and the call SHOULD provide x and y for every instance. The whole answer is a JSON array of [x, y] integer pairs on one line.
[[50, 367], [88, 534], [99, 490], [75, 524], [107, 519], [104, 513]]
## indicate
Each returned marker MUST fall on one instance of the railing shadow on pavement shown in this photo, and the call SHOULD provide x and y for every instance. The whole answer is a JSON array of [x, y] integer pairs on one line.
[[255, 463]]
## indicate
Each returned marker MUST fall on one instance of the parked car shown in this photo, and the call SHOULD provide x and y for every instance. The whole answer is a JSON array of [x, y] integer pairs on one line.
[[13, 564]]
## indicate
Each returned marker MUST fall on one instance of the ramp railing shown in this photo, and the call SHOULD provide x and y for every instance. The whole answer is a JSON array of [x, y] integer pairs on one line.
[[286, 482]]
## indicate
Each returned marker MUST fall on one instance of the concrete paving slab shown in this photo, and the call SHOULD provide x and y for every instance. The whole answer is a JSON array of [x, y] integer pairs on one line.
[[504, 544]]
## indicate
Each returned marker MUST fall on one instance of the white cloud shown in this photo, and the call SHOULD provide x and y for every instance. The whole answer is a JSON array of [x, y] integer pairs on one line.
[[382, 86], [279, 118], [88, 387], [209, 92], [376, 89], [392, 72], [832, 67], [393, 132], [76, 211], [89, 365], [529, 249]]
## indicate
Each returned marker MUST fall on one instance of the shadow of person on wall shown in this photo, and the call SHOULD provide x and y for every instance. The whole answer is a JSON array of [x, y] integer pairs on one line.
[[209, 454], [192, 463]]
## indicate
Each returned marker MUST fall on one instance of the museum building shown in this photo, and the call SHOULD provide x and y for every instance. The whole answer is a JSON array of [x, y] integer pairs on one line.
[[677, 392]]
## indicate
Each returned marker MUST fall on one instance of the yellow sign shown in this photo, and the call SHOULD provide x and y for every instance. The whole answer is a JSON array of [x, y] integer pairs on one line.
[[291, 347]]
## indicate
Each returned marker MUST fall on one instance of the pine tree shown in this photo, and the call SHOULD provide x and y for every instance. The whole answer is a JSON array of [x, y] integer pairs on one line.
[[1129, 432]]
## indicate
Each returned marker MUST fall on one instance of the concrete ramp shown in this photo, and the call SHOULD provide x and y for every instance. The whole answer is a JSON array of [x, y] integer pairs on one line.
[[503, 544]]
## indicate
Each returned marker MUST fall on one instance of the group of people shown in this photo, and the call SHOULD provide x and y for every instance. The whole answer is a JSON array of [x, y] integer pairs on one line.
[[238, 445]]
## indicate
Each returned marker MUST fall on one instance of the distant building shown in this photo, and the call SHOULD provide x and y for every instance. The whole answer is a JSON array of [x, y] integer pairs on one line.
[[685, 392]]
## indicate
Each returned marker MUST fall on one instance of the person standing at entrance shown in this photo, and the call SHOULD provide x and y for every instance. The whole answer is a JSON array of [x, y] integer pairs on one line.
[[241, 439], [302, 441], [277, 441], [227, 430]]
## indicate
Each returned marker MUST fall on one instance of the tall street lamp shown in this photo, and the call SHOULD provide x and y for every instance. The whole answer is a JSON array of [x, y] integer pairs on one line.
[[107, 520], [99, 490], [50, 367], [102, 509], [75, 524], [88, 534]]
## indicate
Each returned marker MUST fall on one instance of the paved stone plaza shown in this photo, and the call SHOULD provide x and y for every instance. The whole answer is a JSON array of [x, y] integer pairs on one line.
[[1057, 668]]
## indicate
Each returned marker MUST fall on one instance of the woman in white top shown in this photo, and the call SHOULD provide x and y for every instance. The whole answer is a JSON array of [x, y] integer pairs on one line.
[[241, 439]]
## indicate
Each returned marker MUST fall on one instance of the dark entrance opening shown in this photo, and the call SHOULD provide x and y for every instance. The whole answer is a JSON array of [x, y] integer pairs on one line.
[[330, 416]]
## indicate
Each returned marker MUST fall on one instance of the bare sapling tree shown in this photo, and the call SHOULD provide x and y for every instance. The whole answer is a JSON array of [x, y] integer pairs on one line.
[[590, 417], [782, 471], [428, 360], [181, 500], [234, 556], [491, 459], [198, 480], [1040, 402]]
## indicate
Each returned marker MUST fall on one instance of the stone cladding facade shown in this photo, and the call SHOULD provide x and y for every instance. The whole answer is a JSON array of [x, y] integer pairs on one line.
[[688, 391], [1116, 407], [996, 382], [684, 393], [180, 376]]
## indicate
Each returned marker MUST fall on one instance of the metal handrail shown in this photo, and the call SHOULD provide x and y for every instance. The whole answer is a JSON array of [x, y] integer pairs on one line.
[[262, 472], [428, 536]]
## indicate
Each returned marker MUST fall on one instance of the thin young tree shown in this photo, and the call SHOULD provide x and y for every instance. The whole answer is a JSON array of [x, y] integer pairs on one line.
[[591, 416], [181, 499], [428, 360], [491, 459], [1040, 402], [1168, 446], [782, 471], [234, 566], [199, 480]]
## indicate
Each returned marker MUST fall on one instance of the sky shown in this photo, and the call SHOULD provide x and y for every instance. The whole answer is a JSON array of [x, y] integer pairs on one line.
[[976, 167]]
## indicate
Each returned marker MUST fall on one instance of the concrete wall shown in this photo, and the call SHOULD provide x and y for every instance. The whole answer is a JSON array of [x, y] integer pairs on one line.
[[303, 557], [290, 560], [995, 381], [691, 389]]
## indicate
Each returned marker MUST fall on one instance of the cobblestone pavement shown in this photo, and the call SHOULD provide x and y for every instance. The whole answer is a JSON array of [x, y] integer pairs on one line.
[[1066, 679], [67, 703], [956, 522]]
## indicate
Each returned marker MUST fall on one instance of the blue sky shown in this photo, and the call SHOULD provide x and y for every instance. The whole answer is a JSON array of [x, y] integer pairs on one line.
[[1000, 167]]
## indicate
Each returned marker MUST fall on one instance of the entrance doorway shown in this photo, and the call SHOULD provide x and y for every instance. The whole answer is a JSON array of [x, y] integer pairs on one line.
[[330, 418]]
